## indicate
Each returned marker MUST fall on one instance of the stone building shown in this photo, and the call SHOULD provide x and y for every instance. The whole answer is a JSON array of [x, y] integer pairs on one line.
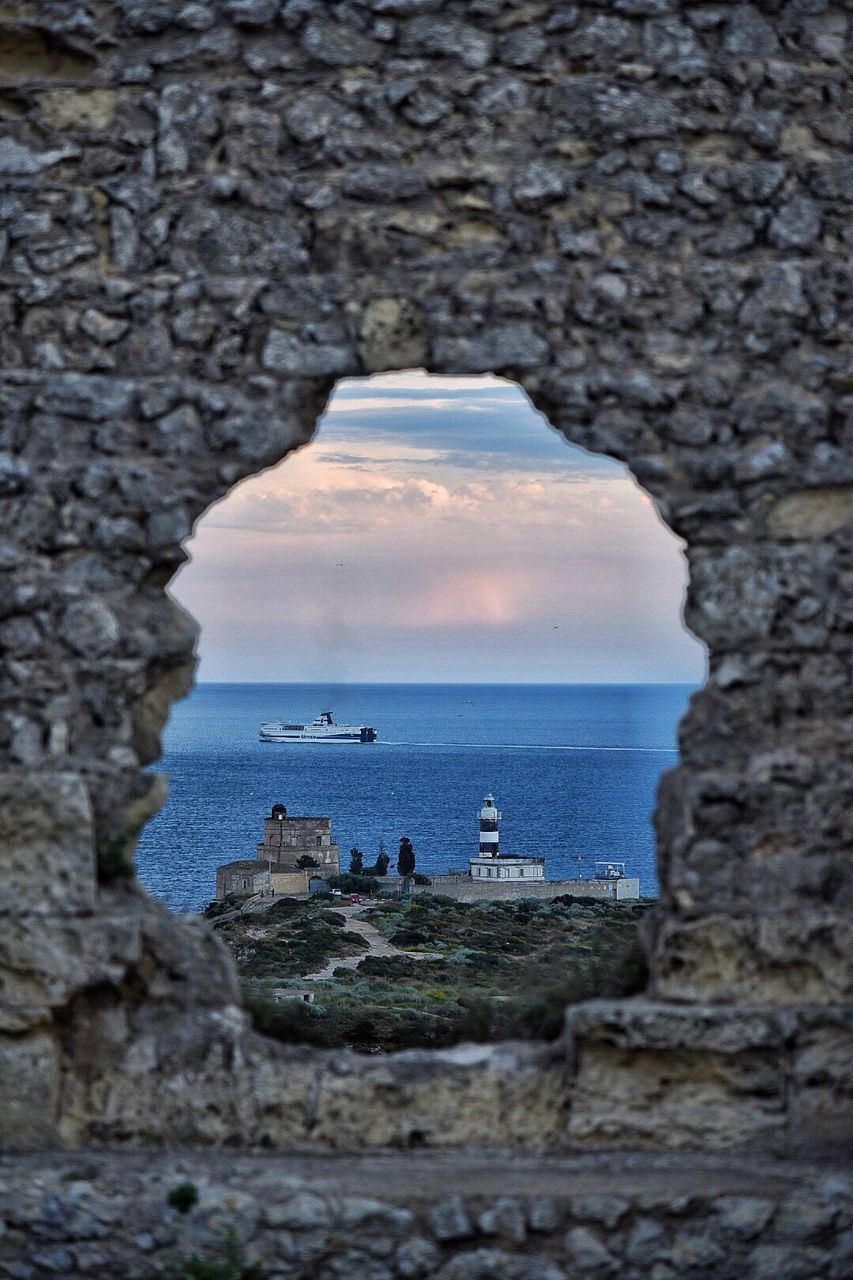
[[640, 211], [243, 875], [288, 841]]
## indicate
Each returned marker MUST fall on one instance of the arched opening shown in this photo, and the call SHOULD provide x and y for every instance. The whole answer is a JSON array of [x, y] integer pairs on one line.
[[503, 607]]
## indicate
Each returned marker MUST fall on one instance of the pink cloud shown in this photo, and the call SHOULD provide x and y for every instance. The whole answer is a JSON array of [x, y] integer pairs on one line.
[[402, 562]]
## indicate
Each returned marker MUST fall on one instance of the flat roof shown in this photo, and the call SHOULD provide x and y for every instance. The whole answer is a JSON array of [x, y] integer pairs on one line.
[[505, 857], [296, 817]]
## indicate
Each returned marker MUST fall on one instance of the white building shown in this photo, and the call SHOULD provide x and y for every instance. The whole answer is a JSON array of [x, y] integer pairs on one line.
[[507, 866], [490, 863], [616, 884]]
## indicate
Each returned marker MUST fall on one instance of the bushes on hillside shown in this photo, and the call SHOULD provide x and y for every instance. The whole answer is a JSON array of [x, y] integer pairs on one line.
[[503, 970], [350, 883]]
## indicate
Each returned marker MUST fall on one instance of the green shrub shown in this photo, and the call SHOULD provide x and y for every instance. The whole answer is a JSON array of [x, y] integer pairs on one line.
[[354, 884], [231, 1266], [114, 860], [221, 906], [291, 1021], [183, 1197], [285, 909], [403, 938], [541, 1017], [332, 917], [290, 952]]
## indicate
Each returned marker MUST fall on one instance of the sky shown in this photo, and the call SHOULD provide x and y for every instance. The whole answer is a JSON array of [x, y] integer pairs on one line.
[[438, 529]]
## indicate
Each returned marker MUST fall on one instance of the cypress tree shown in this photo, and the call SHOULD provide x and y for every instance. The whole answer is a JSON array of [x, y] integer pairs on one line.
[[406, 858]]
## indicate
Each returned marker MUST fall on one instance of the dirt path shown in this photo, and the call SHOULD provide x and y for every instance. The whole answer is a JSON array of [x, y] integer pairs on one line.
[[377, 943]]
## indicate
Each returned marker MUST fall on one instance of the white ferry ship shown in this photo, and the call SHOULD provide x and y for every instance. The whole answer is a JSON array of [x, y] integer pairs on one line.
[[323, 729]]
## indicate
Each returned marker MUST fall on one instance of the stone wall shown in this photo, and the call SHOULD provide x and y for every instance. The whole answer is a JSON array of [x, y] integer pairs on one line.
[[639, 210], [295, 881], [465, 889], [424, 1214]]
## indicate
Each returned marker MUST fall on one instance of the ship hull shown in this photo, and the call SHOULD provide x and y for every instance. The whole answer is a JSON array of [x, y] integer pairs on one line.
[[317, 737]]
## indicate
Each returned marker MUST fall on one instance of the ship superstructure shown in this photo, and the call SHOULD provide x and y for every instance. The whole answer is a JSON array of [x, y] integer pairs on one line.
[[322, 729]]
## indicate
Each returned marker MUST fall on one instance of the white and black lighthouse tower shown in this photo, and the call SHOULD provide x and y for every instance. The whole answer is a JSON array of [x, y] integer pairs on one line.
[[489, 822], [489, 864]]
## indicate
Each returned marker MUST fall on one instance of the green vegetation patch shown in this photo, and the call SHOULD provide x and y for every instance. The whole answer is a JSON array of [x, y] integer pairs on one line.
[[229, 1265], [350, 883], [183, 1197], [114, 858], [291, 938], [504, 971], [222, 906]]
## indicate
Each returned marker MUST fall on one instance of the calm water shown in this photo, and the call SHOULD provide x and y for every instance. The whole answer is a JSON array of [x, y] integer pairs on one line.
[[573, 767]]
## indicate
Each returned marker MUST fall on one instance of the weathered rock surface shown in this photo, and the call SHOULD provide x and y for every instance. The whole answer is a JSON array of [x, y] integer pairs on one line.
[[641, 211], [415, 1215], [47, 853]]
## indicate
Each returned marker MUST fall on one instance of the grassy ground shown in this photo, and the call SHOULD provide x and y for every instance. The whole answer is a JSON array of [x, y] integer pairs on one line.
[[504, 970], [289, 939]]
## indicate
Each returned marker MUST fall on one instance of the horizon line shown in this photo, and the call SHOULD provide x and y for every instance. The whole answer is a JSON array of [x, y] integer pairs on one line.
[[534, 684]]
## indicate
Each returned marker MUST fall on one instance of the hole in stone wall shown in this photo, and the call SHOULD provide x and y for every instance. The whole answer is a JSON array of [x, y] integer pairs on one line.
[[504, 609]]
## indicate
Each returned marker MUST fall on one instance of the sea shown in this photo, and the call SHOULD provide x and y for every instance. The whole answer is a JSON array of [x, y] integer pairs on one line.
[[574, 770]]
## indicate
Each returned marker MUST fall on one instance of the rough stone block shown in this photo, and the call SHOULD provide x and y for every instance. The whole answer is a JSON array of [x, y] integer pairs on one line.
[[666, 1077], [812, 513], [47, 858], [763, 832], [822, 1082], [158, 1075], [29, 1091], [779, 958], [512, 346], [453, 1098], [28, 53], [43, 965], [78, 108], [285, 353], [737, 594], [151, 711], [187, 963], [391, 335]]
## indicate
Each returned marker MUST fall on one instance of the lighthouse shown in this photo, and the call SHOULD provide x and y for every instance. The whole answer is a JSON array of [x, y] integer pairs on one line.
[[491, 865], [489, 820]]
